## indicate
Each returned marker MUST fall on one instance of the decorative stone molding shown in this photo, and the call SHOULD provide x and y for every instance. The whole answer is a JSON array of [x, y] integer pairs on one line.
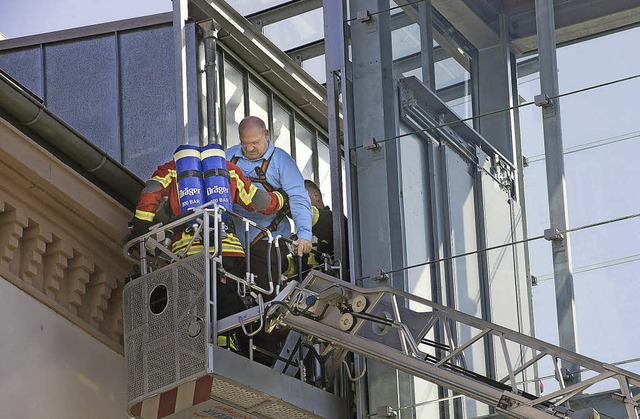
[[60, 238]]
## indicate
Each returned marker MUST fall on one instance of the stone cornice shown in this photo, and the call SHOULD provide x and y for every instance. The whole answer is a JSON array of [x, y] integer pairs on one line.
[[60, 237]]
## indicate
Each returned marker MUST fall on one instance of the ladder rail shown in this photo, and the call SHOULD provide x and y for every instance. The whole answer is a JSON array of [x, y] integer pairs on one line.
[[508, 399]]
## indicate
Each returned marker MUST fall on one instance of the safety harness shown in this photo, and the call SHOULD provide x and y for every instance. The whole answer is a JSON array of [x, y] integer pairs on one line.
[[261, 178]]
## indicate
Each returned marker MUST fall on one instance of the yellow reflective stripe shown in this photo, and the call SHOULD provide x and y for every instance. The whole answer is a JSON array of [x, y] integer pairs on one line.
[[164, 180], [315, 212], [291, 268], [245, 197], [144, 215], [280, 199], [222, 341]]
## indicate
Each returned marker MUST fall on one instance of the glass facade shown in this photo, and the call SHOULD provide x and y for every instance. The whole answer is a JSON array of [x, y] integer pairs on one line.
[[600, 136]]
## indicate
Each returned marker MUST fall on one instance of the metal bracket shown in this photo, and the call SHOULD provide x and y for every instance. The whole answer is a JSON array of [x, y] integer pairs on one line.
[[542, 100], [386, 411], [552, 234], [506, 402], [370, 144], [363, 16], [382, 276]]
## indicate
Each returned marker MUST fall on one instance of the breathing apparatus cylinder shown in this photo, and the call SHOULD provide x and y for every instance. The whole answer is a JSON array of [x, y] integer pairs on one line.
[[189, 175], [216, 177]]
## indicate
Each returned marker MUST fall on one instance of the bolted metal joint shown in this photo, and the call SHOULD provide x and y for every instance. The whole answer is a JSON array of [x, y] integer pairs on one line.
[[386, 411], [370, 144], [380, 276], [363, 16], [552, 234], [541, 100]]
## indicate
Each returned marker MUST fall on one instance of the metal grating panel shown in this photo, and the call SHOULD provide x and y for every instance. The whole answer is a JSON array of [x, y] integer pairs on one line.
[[133, 351], [160, 325], [190, 299], [160, 351], [133, 306], [240, 396], [162, 367]]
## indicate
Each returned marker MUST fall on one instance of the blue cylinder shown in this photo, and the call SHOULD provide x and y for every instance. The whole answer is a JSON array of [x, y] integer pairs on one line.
[[216, 176], [189, 174]]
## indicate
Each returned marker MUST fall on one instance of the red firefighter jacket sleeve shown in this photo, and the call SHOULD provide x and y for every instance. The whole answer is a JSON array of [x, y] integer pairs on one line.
[[161, 184], [243, 192]]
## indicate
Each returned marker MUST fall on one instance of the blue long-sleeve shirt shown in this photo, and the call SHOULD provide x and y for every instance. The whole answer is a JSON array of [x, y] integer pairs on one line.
[[282, 173]]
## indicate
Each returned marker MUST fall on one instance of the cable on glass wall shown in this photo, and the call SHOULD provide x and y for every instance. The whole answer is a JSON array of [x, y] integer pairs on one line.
[[590, 145], [500, 246], [510, 108]]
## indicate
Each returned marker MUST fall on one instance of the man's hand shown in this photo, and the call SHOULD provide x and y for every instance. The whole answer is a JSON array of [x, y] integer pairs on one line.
[[302, 246]]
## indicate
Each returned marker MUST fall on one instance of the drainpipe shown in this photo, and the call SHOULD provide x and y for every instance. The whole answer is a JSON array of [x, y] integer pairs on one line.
[[29, 114], [210, 38]]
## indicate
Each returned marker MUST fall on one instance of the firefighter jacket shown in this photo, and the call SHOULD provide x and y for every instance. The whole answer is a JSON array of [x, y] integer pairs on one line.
[[163, 184]]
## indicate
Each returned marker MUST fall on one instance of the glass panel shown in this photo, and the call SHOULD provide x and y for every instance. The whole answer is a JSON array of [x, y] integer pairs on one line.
[[281, 135], [324, 172], [600, 139], [258, 102], [406, 41], [297, 30], [246, 7], [234, 101], [304, 150], [316, 68], [451, 60]]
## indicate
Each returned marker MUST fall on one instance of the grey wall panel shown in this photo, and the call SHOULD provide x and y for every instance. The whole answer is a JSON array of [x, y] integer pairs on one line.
[[460, 184], [81, 88], [416, 229], [503, 279], [466, 272], [193, 98], [25, 66], [148, 98]]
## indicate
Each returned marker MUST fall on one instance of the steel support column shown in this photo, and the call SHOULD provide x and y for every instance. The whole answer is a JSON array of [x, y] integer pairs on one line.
[[562, 271], [426, 45], [338, 84], [379, 181], [494, 93]]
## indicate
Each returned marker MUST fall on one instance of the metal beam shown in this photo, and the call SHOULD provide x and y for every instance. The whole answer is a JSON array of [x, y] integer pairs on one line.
[[575, 20], [556, 188], [467, 22], [307, 51], [282, 11], [277, 68]]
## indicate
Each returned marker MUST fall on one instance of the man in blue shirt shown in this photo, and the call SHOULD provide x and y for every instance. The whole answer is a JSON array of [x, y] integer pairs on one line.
[[270, 168]]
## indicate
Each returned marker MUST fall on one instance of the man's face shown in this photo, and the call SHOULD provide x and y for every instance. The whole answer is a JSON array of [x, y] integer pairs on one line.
[[254, 142]]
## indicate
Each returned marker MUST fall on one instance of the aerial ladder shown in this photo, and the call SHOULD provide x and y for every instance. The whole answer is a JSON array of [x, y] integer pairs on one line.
[[176, 370]]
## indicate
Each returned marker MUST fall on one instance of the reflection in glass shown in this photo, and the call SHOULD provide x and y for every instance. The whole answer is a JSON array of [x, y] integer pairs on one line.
[[316, 68], [304, 150], [324, 171], [297, 30], [281, 135], [234, 102], [258, 102], [246, 7], [405, 41], [600, 139]]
